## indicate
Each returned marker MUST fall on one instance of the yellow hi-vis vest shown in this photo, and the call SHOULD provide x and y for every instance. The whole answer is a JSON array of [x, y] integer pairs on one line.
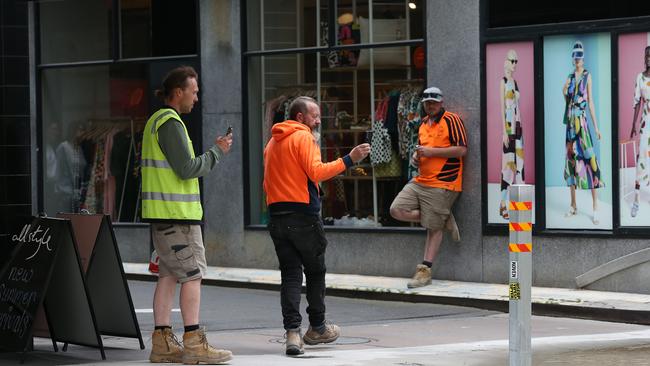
[[164, 194]]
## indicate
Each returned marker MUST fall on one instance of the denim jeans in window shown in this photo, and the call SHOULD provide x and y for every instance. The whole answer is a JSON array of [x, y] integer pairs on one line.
[[300, 244]]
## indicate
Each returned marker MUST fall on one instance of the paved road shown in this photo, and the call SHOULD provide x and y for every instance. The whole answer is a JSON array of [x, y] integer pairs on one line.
[[374, 333]]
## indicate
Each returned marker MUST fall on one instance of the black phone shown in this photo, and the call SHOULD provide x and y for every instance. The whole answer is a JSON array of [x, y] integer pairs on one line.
[[229, 130], [369, 136]]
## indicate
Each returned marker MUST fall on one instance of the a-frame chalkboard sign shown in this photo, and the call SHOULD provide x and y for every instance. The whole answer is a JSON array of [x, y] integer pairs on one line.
[[107, 285], [24, 278], [44, 267]]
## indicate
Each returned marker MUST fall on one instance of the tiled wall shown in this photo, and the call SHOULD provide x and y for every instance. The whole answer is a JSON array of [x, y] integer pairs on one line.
[[15, 169]]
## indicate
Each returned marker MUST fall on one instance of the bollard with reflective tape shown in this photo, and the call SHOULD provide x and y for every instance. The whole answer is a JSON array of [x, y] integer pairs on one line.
[[520, 248]]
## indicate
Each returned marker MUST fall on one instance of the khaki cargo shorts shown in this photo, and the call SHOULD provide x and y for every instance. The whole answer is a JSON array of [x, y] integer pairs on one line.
[[180, 251], [434, 205]]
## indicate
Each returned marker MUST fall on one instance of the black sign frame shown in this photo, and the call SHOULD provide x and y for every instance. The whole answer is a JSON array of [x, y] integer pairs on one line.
[[61, 288]]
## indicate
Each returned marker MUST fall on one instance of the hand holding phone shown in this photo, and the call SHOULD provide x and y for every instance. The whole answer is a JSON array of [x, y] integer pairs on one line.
[[419, 151], [369, 136], [225, 142]]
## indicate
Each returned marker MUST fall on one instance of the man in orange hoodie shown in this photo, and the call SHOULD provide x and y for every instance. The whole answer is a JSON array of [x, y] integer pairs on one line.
[[292, 171]]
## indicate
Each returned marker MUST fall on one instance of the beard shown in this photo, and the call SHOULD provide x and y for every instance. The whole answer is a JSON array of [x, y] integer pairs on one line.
[[316, 136]]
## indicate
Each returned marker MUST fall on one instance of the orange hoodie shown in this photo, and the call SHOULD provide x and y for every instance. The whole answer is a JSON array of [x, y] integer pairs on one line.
[[293, 169]]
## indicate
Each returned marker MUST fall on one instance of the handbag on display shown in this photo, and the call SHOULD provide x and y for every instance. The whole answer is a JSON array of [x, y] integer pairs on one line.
[[380, 151]]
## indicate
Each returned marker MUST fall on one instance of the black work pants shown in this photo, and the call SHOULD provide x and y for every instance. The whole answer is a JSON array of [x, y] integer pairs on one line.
[[300, 244]]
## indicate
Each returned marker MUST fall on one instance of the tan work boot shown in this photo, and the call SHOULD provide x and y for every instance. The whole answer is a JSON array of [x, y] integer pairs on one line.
[[197, 350], [421, 278], [294, 343], [165, 347], [330, 334]]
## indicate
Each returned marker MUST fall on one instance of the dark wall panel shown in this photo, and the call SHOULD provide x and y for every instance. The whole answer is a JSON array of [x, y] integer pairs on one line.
[[15, 168]]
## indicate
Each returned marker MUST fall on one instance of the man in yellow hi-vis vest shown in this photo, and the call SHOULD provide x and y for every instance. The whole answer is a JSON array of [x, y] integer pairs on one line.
[[171, 202]]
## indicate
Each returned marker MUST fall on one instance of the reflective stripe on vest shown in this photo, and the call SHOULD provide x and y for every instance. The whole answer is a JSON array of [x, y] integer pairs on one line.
[[156, 163], [164, 194], [171, 197]]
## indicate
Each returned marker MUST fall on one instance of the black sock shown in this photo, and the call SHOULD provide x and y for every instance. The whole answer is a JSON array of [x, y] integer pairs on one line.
[[190, 328], [320, 329], [161, 327], [428, 264]]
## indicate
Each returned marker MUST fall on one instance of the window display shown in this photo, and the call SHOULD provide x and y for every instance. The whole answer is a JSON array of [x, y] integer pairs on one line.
[[92, 141], [94, 98], [366, 95], [96, 168]]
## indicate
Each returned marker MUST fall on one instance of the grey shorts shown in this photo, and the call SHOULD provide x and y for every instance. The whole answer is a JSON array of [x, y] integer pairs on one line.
[[434, 204], [180, 251]]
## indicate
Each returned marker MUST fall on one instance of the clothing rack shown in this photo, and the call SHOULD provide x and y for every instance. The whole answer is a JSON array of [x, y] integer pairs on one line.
[[99, 133], [98, 127]]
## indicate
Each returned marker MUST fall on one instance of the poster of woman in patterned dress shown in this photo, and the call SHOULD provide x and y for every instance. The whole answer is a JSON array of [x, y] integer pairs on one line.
[[634, 128], [510, 121], [577, 131]]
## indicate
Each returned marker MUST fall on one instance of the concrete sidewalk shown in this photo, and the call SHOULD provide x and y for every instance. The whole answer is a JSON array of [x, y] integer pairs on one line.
[[586, 304]]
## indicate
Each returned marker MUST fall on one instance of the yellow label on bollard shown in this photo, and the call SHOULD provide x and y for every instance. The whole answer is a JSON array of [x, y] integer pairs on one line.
[[515, 291]]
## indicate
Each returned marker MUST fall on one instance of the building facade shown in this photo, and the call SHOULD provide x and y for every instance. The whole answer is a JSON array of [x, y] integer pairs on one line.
[[91, 88]]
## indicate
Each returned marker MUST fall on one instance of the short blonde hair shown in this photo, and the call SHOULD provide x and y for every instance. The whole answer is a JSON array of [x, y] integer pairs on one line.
[[510, 55]]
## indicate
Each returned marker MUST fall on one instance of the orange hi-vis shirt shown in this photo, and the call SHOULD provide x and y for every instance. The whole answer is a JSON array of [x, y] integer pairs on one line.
[[441, 172], [293, 168]]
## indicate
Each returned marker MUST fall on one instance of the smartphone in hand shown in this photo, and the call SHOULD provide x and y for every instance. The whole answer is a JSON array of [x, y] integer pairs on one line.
[[369, 136], [228, 131]]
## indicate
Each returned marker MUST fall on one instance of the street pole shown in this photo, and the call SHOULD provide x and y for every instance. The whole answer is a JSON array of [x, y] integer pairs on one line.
[[520, 272]]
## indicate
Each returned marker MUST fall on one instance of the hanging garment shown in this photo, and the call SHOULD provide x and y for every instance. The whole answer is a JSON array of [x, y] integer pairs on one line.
[[380, 151]]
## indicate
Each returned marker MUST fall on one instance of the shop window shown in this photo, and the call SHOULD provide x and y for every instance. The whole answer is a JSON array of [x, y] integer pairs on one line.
[[85, 38], [369, 94], [158, 28], [93, 113], [283, 24], [147, 29], [93, 119]]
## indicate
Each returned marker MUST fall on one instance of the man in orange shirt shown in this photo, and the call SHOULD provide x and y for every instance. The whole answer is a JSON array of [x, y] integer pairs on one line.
[[292, 171], [428, 198]]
